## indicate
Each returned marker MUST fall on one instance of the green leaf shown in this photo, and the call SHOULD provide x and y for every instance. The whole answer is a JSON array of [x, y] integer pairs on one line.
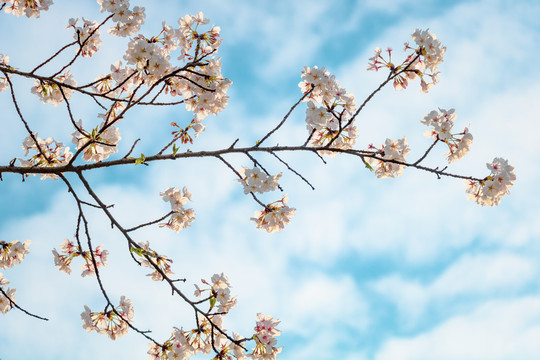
[[174, 149], [137, 251], [141, 160], [212, 302], [367, 165]]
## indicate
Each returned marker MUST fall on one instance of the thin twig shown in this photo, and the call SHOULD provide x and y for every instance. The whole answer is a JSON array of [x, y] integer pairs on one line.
[[13, 304], [240, 177], [82, 45], [52, 57], [149, 223], [284, 118], [294, 171], [131, 150], [30, 132], [426, 153]]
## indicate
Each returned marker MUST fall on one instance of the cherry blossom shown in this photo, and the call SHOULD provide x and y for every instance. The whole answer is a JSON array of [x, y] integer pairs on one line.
[[70, 251], [5, 303], [87, 34], [181, 217], [162, 262], [176, 347], [112, 322], [422, 62], [128, 21], [265, 338], [329, 122], [49, 92], [49, 153], [4, 61], [442, 123], [30, 8], [275, 216], [12, 253], [219, 291], [102, 141], [497, 184], [391, 150], [255, 180]]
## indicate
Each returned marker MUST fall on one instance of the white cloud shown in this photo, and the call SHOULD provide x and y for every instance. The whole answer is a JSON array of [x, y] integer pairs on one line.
[[468, 281], [496, 330], [484, 273]]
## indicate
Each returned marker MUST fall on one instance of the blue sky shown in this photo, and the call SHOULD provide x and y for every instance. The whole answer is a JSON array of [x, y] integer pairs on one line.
[[401, 268]]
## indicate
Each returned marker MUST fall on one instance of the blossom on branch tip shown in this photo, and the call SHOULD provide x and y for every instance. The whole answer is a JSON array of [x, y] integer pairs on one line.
[[128, 21], [421, 62], [181, 217], [274, 216], [5, 303], [112, 322], [12, 253], [87, 34], [219, 292], [146, 254], [255, 180], [50, 92], [4, 61], [3, 281], [330, 122], [30, 8], [265, 338], [177, 347], [49, 153], [70, 251], [497, 184], [442, 123], [102, 143]]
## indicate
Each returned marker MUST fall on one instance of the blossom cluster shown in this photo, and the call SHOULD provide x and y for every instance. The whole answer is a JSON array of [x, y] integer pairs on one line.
[[70, 251], [274, 216], [442, 123], [12, 253], [86, 35], [391, 150], [4, 61], [255, 180], [206, 91], [497, 184], [114, 322], [49, 153], [181, 217], [162, 262], [189, 34], [30, 8], [128, 21], [421, 62], [119, 81], [98, 144], [183, 133], [265, 338], [185, 344], [329, 111], [219, 291], [53, 92], [148, 61], [6, 302]]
